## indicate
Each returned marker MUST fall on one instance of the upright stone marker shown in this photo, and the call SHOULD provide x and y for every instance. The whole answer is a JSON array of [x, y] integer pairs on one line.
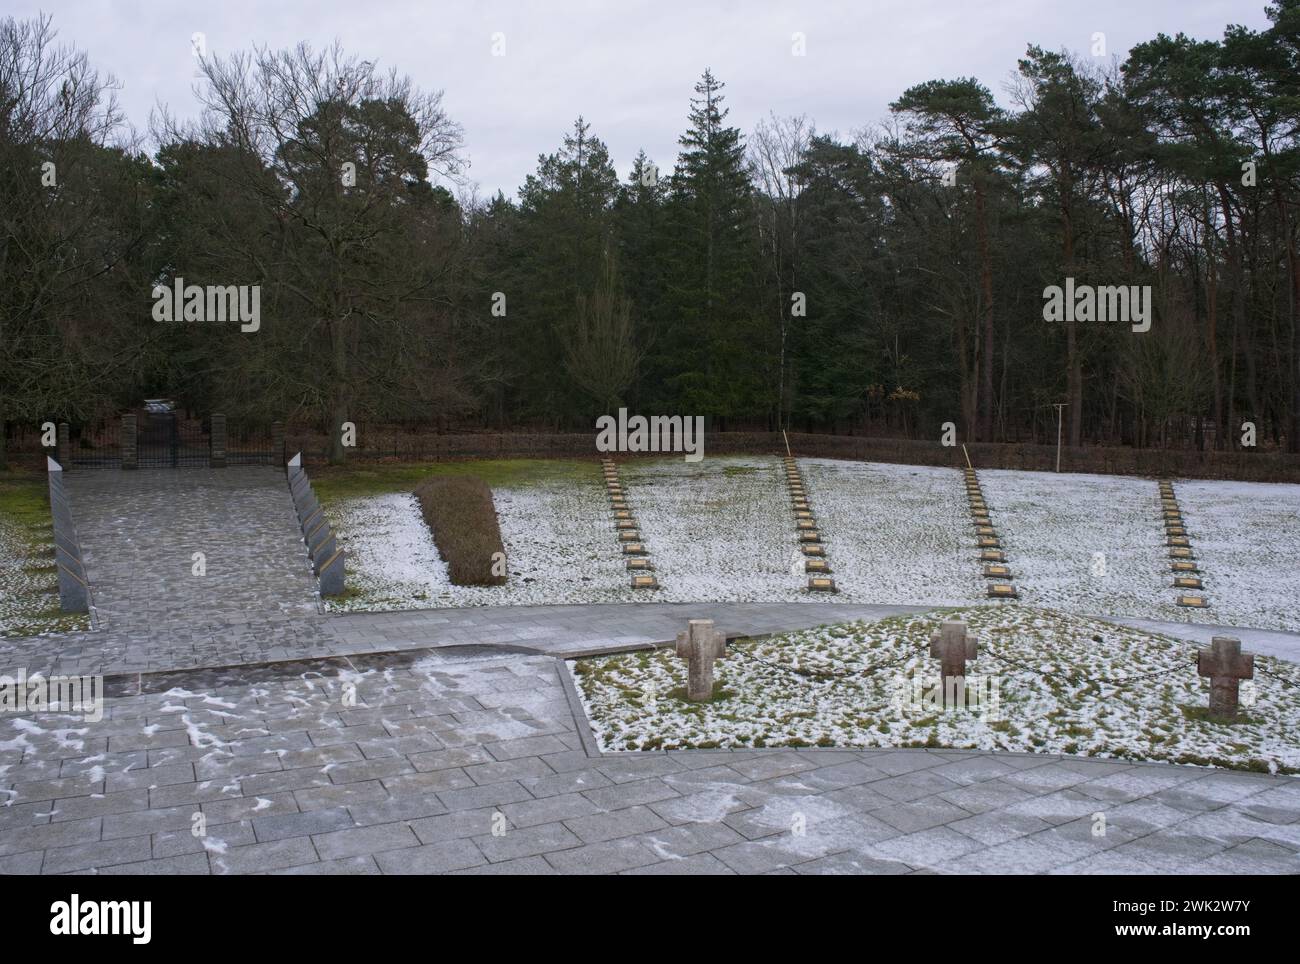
[[1226, 666], [952, 647], [700, 645]]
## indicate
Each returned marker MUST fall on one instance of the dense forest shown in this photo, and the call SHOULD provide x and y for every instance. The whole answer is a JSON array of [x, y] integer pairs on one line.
[[884, 283]]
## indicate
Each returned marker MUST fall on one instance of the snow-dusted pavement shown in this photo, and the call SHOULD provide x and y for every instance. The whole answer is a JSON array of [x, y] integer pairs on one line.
[[458, 765]]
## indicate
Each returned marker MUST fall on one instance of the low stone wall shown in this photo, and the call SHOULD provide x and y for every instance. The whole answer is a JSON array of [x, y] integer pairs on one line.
[[327, 559], [74, 587]]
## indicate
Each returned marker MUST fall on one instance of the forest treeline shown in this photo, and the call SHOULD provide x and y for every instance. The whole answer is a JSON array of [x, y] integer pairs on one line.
[[885, 282]]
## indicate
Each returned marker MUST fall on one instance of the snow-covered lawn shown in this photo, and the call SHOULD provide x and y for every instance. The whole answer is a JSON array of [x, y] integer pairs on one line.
[[895, 533], [1247, 538], [722, 530], [718, 530], [1086, 543], [559, 540], [1065, 684]]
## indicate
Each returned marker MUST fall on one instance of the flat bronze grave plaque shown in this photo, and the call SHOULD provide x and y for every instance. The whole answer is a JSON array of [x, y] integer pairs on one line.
[[986, 531], [625, 524], [629, 535], [806, 525], [1177, 541], [1181, 552], [622, 514], [1002, 590], [1193, 602], [1182, 566], [821, 584], [633, 549], [802, 514], [1187, 582], [641, 563], [993, 555], [989, 542], [816, 565], [1175, 531], [645, 582], [811, 549], [997, 572], [810, 536]]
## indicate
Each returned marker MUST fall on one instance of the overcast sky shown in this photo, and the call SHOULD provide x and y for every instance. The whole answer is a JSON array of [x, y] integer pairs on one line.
[[627, 66]]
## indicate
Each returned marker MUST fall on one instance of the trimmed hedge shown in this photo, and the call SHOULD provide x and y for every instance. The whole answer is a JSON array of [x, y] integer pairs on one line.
[[463, 518]]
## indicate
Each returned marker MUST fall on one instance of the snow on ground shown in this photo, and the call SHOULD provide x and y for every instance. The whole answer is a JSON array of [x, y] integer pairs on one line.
[[722, 530], [558, 535], [1064, 684], [1091, 544], [29, 601], [1247, 538], [896, 534], [717, 530]]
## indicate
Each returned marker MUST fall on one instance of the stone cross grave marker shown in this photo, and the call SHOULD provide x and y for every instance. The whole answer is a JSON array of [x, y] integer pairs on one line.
[[1226, 666], [700, 645], [952, 647]]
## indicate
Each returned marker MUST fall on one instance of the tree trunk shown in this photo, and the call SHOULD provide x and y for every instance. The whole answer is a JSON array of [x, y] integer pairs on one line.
[[986, 323]]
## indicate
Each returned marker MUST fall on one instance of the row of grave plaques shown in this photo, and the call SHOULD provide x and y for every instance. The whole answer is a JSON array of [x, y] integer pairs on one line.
[[815, 564], [992, 557], [322, 546], [1181, 558], [629, 535], [74, 589]]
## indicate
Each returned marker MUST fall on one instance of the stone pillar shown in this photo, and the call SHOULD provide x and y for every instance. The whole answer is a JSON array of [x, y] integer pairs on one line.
[[128, 442], [700, 645], [952, 647], [217, 455], [277, 443], [64, 445]]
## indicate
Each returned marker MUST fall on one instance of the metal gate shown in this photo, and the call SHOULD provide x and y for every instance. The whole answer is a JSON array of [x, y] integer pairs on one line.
[[166, 440]]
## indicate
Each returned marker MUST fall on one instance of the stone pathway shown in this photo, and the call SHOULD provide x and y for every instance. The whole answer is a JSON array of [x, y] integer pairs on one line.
[[397, 764], [139, 531], [554, 630]]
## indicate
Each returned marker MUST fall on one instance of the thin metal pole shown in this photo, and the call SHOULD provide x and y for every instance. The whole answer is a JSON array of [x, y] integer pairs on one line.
[[1060, 406]]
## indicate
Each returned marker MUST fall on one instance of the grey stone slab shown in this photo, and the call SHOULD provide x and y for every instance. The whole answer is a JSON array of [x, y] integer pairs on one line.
[[365, 840], [301, 824], [609, 857], [433, 858]]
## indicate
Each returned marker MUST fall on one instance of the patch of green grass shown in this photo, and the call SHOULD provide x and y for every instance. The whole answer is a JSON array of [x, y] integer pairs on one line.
[[719, 694], [1202, 714], [334, 482], [24, 501]]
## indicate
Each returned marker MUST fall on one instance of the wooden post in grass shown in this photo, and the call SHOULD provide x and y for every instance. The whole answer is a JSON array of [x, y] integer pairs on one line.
[[700, 645], [952, 647], [1226, 666]]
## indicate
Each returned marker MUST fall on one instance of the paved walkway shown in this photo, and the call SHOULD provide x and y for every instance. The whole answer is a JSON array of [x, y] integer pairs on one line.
[[451, 764], [139, 532], [554, 630]]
